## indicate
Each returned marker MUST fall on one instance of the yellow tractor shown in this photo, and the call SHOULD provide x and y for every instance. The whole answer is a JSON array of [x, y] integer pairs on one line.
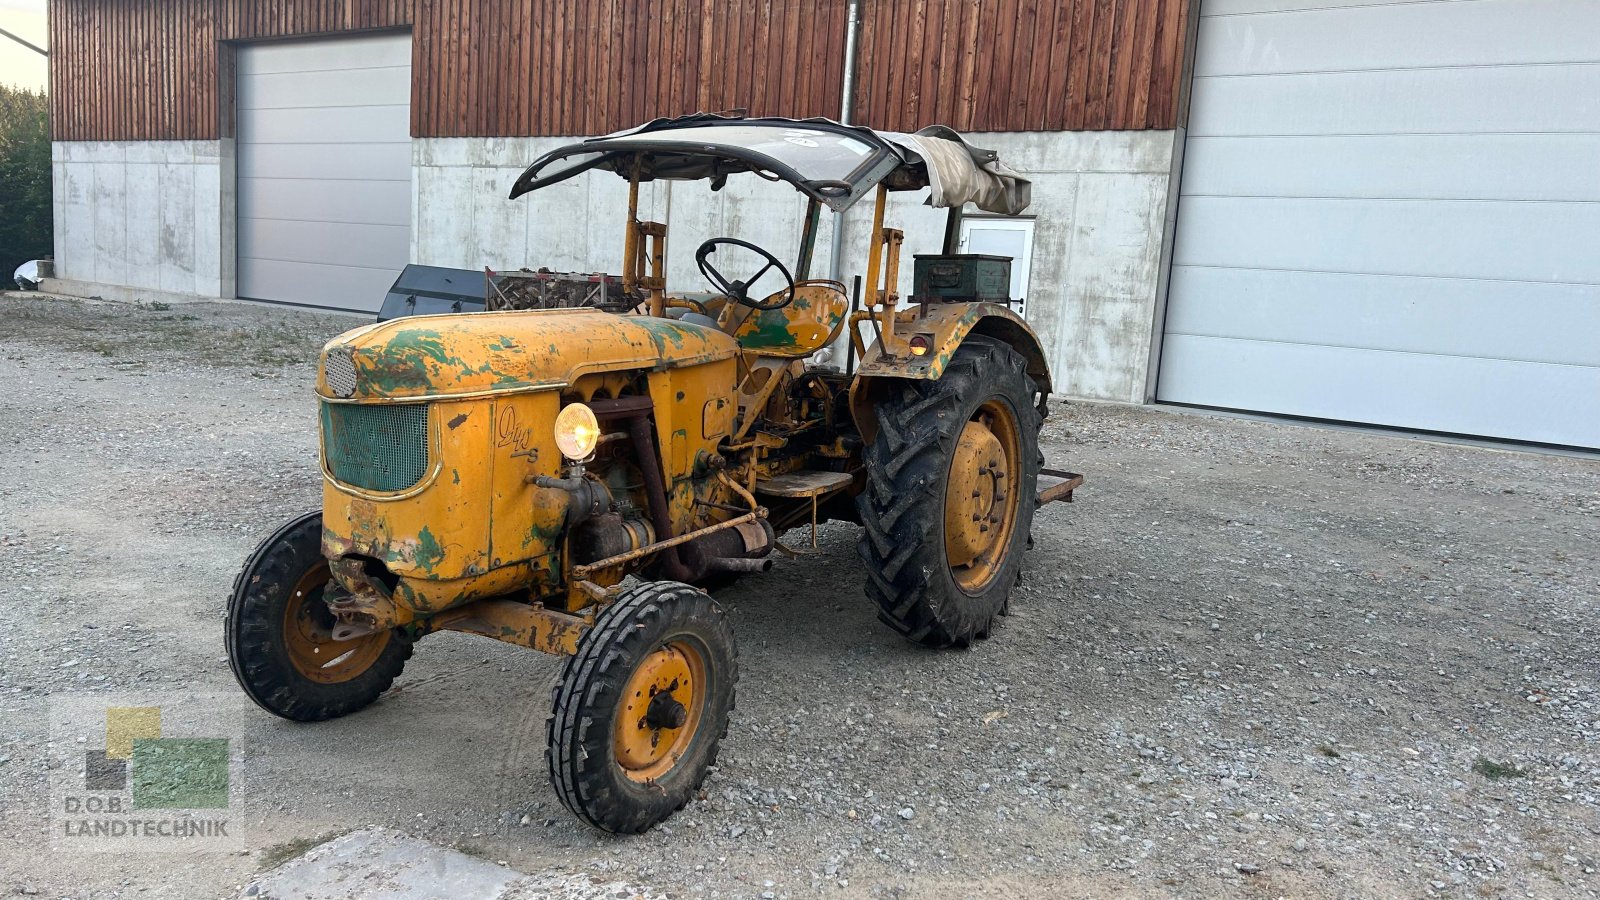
[[569, 477]]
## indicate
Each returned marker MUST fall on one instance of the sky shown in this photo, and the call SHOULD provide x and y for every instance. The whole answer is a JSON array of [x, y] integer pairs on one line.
[[20, 66]]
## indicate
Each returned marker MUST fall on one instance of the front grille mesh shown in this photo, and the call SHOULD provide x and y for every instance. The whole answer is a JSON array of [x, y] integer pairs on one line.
[[376, 447]]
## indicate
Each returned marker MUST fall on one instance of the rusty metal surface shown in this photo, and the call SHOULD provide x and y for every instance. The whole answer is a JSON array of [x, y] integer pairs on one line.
[[946, 325], [622, 558], [804, 483], [514, 622], [636, 412], [1061, 490], [544, 289], [756, 512], [503, 352], [362, 606]]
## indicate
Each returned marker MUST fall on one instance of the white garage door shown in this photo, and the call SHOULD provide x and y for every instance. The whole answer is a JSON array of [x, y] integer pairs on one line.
[[1390, 214], [324, 144]]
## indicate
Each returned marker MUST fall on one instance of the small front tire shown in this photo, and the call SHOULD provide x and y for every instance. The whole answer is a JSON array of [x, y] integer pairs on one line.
[[278, 634], [642, 707]]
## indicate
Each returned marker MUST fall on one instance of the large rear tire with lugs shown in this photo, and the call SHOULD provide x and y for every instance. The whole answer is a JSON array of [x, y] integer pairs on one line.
[[951, 490], [642, 707], [279, 634]]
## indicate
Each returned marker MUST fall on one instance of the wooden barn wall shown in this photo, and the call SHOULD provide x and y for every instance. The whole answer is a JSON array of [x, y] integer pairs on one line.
[[1021, 65], [126, 70], [601, 65], [158, 69]]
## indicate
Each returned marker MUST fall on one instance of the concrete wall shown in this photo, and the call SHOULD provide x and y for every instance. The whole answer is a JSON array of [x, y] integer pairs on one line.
[[1099, 205], [158, 217], [144, 217]]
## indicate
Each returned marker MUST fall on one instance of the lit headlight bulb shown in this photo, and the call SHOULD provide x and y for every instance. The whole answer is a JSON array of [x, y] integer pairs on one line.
[[577, 432]]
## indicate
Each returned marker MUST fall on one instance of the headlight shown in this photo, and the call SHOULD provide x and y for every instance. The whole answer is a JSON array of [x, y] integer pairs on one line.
[[577, 432]]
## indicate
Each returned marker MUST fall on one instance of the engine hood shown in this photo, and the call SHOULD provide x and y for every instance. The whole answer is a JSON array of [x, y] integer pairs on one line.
[[466, 354]]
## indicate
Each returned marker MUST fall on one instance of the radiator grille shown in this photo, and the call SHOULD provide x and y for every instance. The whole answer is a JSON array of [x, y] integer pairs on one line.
[[376, 447]]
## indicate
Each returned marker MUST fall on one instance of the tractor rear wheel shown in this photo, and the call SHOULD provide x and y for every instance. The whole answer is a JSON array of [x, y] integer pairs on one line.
[[279, 634], [951, 490], [641, 707]]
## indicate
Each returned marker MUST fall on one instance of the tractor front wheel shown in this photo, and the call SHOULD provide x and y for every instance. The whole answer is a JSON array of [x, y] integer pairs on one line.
[[951, 490], [641, 707], [279, 634]]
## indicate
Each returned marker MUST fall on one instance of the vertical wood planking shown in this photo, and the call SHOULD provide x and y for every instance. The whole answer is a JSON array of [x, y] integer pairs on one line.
[[1053, 18], [1021, 65], [1138, 90], [155, 69], [994, 94], [764, 66], [1027, 96], [1167, 73], [554, 83], [152, 69], [1099, 53]]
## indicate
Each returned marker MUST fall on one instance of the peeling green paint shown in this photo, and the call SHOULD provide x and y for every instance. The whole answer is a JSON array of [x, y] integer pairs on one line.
[[771, 332], [662, 332], [429, 553], [403, 360], [448, 355], [541, 536]]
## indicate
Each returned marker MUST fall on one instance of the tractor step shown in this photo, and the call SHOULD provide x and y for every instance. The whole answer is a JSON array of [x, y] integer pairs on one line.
[[804, 483], [1055, 484]]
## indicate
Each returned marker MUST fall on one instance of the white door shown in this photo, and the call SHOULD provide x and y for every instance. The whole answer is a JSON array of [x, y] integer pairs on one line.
[[1389, 215], [1003, 237], [324, 178]]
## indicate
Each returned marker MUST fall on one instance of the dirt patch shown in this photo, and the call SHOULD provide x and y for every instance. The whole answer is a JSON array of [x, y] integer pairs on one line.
[[147, 336]]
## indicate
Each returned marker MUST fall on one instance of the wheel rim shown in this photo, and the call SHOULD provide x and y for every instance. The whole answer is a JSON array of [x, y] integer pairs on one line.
[[308, 635], [982, 496], [660, 711]]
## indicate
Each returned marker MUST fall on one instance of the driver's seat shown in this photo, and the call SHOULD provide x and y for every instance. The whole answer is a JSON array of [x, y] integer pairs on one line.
[[801, 328]]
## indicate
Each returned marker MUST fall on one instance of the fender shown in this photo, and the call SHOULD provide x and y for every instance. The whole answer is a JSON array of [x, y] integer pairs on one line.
[[945, 326]]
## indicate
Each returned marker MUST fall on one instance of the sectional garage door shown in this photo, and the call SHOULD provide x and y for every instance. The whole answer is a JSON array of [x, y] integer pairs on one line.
[[324, 178], [1390, 214]]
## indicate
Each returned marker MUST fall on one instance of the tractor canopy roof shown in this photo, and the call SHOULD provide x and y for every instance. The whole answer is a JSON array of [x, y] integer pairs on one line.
[[832, 163]]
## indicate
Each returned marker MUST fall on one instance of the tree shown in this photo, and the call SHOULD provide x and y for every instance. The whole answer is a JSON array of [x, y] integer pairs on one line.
[[25, 207]]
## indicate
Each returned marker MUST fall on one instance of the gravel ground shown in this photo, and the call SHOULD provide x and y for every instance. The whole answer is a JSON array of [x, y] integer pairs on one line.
[[1253, 659]]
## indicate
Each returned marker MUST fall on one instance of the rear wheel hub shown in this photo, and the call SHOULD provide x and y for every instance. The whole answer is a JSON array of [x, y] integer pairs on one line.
[[980, 503]]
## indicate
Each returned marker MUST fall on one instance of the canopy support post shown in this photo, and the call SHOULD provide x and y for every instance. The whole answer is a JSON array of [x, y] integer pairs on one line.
[[630, 240], [808, 240], [883, 277], [643, 237], [952, 230]]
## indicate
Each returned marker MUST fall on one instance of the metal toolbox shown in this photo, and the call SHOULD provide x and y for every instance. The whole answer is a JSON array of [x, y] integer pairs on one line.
[[960, 277]]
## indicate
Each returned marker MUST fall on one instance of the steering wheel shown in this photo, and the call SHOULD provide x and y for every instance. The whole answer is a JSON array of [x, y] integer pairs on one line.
[[740, 290]]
